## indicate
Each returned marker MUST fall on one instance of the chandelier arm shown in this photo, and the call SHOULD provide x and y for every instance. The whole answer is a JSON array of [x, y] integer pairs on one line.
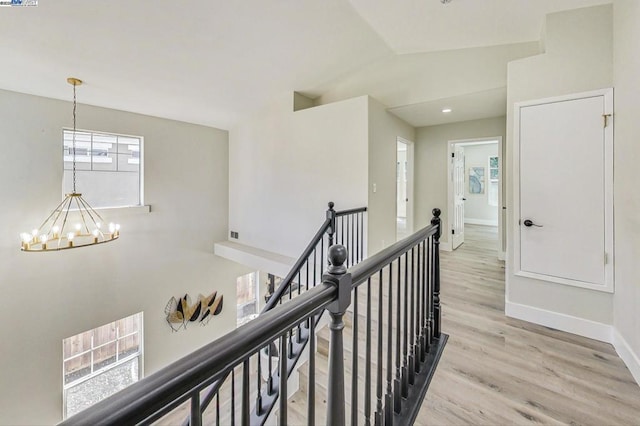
[[59, 209], [52, 213], [66, 214], [90, 210], [82, 216]]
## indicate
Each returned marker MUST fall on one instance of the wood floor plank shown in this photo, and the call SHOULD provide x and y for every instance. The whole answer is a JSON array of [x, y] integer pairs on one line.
[[501, 371]]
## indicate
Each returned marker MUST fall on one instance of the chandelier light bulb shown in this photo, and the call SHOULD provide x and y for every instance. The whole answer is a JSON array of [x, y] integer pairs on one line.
[[112, 227], [26, 237], [70, 236], [44, 238], [34, 233], [78, 227]]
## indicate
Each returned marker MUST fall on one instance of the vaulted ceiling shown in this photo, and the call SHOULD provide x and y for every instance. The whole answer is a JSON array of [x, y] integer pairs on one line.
[[214, 62]]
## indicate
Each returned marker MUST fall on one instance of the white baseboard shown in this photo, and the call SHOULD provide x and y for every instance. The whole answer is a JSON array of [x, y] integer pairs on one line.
[[580, 326], [487, 222], [628, 356], [445, 246]]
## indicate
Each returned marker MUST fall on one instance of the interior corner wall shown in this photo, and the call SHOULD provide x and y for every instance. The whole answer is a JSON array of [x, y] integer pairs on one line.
[[165, 253], [431, 165], [626, 62], [576, 60], [286, 166], [384, 129]]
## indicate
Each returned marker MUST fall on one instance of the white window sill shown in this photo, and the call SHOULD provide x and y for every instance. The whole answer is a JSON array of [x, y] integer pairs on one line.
[[125, 211]]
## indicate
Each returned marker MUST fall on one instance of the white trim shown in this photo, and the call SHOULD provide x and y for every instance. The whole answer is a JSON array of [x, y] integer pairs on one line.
[[580, 326], [410, 188], [631, 359], [502, 255], [485, 222], [607, 94], [446, 245]]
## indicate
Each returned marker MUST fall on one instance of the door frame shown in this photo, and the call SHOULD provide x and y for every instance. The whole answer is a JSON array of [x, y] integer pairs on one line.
[[410, 183], [450, 149], [608, 185]]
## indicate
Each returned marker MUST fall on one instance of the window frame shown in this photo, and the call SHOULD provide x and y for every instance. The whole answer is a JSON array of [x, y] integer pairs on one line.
[[493, 181], [140, 158], [139, 354]]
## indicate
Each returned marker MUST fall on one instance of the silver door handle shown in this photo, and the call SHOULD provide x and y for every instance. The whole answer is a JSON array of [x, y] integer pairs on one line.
[[529, 222]]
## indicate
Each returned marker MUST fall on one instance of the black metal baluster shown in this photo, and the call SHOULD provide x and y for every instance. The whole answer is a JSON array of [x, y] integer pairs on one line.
[[282, 412], [367, 363], [315, 262], [354, 366], [388, 405], [322, 256], [233, 396], [342, 230], [307, 274], [351, 242], [270, 379], [218, 408], [259, 382], [429, 313], [379, 362], [196, 413], [356, 248], [417, 337], [412, 365], [362, 240], [245, 392], [311, 393], [405, 360], [397, 390], [423, 316]]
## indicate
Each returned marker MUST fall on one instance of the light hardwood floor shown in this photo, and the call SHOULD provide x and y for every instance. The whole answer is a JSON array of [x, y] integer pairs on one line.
[[501, 371]]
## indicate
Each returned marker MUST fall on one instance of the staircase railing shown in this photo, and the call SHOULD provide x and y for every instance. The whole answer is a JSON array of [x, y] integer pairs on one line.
[[409, 291]]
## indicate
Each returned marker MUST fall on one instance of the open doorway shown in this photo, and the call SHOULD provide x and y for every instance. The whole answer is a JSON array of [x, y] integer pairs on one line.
[[475, 188], [404, 188]]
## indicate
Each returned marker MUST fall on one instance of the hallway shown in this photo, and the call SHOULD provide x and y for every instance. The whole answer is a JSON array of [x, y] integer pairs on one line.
[[501, 371]]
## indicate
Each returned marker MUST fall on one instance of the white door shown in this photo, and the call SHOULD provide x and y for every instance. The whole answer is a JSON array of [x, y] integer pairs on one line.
[[457, 228], [565, 195]]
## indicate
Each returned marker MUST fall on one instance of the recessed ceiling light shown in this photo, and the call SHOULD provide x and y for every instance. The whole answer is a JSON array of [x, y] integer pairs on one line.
[[446, 110]]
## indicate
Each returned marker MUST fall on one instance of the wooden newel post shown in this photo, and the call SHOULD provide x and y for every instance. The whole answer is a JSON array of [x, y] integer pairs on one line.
[[331, 215], [437, 316], [337, 275]]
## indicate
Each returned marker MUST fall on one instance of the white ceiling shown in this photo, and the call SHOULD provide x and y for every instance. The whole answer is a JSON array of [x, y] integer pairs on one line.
[[472, 106], [214, 62], [410, 26]]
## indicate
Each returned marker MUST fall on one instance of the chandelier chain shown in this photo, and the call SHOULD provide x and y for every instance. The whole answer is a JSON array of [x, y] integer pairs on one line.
[[74, 138]]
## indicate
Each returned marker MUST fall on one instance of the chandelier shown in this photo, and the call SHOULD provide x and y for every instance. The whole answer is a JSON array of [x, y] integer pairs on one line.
[[74, 223]]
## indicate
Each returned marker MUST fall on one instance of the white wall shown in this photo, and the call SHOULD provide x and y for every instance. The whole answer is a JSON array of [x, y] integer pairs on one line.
[[286, 166], [576, 60], [431, 164], [165, 253], [384, 129], [476, 207], [626, 62]]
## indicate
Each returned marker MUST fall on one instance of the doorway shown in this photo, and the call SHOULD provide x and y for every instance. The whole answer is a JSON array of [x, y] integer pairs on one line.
[[475, 188], [404, 188]]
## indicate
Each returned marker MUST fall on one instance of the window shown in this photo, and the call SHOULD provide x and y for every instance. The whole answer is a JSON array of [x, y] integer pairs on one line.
[[247, 294], [108, 168], [493, 181], [100, 362]]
